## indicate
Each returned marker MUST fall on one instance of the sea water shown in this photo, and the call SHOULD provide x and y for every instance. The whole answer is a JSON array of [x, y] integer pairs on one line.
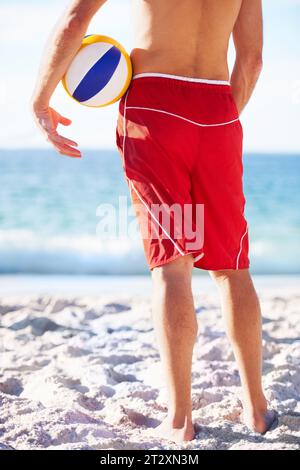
[[49, 221]]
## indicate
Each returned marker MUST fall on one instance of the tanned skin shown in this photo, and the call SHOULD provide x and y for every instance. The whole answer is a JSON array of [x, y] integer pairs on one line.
[[188, 38]]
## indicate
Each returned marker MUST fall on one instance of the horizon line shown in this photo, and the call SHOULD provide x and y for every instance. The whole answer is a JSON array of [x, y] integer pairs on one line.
[[112, 149]]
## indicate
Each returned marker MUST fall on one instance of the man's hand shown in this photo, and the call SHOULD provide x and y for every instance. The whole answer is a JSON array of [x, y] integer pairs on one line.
[[48, 119]]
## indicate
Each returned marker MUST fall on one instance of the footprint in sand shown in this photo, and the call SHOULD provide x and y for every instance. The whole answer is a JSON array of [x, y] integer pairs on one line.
[[114, 308], [39, 325], [11, 386], [118, 377]]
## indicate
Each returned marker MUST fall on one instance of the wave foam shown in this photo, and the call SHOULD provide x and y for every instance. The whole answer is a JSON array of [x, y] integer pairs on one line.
[[23, 251]]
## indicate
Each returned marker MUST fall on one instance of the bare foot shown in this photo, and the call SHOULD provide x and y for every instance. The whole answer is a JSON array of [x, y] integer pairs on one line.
[[167, 430], [260, 421]]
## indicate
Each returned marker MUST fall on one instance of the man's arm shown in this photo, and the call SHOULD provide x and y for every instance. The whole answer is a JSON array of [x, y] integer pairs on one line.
[[62, 47], [248, 41]]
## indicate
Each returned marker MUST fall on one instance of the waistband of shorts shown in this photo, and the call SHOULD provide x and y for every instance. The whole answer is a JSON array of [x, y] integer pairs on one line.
[[182, 79]]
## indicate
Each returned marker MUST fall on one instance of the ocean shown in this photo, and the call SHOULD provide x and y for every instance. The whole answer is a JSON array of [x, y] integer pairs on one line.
[[52, 211]]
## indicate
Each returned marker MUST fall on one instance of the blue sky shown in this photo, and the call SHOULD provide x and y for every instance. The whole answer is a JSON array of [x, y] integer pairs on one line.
[[271, 121]]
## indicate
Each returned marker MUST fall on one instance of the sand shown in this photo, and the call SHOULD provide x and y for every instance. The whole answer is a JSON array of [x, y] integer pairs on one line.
[[83, 372]]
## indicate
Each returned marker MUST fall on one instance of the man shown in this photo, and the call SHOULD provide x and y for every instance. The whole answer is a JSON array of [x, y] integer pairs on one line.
[[179, 127]]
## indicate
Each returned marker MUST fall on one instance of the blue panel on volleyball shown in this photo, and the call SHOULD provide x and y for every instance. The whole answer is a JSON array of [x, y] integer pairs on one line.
[[98, 76]]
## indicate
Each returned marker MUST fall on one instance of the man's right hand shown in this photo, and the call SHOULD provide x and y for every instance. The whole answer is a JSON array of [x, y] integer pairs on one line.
[[48, 120]]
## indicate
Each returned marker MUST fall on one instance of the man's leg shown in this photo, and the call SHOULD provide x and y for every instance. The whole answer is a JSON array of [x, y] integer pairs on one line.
[[175, 326], [241, 309]]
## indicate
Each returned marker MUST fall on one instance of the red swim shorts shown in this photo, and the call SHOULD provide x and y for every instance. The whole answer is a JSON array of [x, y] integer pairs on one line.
[[180, 141]]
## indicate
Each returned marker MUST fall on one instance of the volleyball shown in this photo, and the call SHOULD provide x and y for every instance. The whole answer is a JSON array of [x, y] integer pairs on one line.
[[100, 73]]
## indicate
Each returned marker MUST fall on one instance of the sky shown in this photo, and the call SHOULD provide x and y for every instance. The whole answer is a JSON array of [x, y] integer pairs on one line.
[[271, 120]]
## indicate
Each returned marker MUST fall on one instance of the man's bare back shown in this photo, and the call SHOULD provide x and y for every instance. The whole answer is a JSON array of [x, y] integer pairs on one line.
[[183, 37]]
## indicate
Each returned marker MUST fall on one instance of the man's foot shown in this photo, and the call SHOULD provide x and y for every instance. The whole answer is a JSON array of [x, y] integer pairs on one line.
[[168, 430], [261, 423]]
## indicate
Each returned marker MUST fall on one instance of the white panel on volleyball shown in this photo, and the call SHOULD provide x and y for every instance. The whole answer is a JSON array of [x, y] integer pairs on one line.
[[113, 87], [83, 62]]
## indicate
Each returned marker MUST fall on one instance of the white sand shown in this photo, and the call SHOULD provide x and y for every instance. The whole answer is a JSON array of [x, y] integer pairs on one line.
[[83, 372]]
